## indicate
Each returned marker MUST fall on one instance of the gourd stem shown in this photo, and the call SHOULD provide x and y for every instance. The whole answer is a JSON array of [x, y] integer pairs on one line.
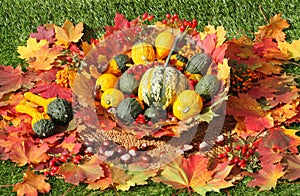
[[38, 100], [178, 37], [26, 109]]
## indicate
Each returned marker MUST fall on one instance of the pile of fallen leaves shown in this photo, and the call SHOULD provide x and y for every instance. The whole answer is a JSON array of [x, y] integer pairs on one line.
[[263, 101]]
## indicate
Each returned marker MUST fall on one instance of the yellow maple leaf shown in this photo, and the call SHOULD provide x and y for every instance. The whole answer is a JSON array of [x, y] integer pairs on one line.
[[223, 71], [273, 29], [293, 49], [220, 32], [33, 46], [68, 33], [44, 58]]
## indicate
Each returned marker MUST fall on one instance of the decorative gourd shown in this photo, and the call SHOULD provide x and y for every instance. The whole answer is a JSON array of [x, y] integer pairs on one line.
[[128, 110], [118, 64], [60, 110], [187, 105], [198, 64], [111, 98], [106, 81], [142, 52], [178, 61], [208, 86], [41, 123], [155, 115], [128, 83], [164, 43], [160, 86]]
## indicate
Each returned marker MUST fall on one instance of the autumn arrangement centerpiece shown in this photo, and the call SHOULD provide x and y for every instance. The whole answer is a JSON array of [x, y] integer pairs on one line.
[[156, 101]]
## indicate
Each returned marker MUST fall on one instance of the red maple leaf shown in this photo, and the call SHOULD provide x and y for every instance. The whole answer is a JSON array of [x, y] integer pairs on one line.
[[90, 171], [121, 23], [12, 79], [293, 169], [282, 139], [28, 152], [52, 90], [32, 184], [256, 118], [44, 33], [71, 143], [267, 177], [104, 182], [267, 48]]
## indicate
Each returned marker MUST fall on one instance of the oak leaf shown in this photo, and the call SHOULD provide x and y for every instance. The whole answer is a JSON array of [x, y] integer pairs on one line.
[[32, 184], [33, 46], [90, 171], [267, 177], [68, 33], [273, 30], [28, 152]]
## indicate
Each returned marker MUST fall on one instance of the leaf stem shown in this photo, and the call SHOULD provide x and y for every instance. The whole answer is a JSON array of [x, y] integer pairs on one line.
[[177, 39]]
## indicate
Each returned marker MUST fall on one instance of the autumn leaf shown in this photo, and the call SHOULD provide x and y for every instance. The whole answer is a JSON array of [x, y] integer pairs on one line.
[[32, 184], [119, 175], [104, 182], [44, 58], [70, 142], [273, 30], [32, 47], [267, 177], [268, 156], [52, 90], [84, 89], [293, 49], [246, 106], [28, 152], [282, 139], [139, 177], [68, 33], [89, 171], [267, 48], [187, 173], [44, 34], [13, 79], [293, 169]]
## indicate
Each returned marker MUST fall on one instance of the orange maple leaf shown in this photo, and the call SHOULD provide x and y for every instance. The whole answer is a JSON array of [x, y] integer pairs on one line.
[[32, 184], [28, 152], [44, 58], [192, 173], [273, 29], [90, 171], [68, 33]]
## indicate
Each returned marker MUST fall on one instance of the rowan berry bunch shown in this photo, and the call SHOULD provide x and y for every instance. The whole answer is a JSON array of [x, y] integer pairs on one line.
[[242, 155], [182, 24]]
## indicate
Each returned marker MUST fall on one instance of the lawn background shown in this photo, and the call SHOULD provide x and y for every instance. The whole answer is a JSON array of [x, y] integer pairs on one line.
[[19, 18]]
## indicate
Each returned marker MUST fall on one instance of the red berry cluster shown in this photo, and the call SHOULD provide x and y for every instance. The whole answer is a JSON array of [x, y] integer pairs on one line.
[[173, 20], [138, 70], [241, 155], [141, 119], [148, 17], [112, 151], [55, 162]]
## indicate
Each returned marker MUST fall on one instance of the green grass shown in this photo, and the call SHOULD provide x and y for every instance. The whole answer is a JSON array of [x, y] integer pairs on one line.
[[20, 17]]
